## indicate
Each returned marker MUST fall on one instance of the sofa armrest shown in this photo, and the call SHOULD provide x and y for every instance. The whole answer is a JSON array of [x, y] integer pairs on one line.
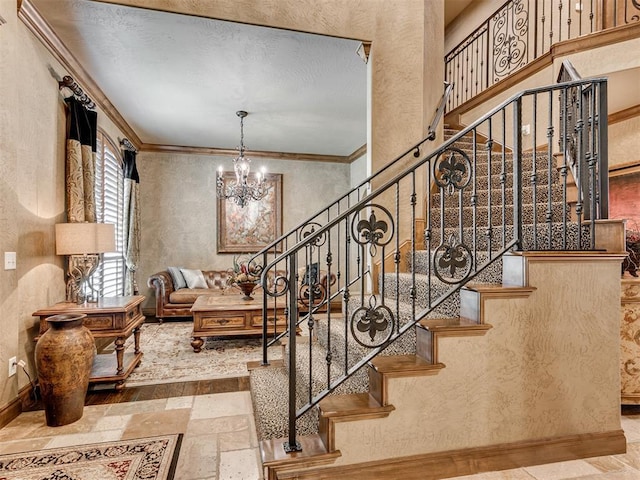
[[162, 283]]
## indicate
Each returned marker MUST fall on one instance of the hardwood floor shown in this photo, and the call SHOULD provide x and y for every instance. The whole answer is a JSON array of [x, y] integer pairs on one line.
[[105, 394]]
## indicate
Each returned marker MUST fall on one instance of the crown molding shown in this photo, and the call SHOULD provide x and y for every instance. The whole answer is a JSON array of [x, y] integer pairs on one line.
[[42, 30], [357, 154], [225, 152]]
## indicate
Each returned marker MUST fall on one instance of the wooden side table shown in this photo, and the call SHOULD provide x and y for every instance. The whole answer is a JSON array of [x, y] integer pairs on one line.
[[110, 317]]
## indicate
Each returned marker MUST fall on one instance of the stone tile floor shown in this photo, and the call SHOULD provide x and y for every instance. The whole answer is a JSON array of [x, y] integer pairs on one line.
[[219, 434], [220, 442]]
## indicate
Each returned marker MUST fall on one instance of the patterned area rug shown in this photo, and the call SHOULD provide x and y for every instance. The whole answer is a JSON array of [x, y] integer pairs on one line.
[[169, 357], [152, 458]]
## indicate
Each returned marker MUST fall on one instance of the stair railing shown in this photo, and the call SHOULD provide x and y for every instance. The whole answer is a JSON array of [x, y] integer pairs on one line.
[[491, 196], [315, 295], [521, 31]]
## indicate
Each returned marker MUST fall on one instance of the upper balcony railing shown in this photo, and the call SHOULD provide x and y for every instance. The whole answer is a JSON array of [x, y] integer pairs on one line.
[[522, 31]]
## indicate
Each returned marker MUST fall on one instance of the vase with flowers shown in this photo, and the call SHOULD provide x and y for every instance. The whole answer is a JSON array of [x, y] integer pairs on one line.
[[245, 275]]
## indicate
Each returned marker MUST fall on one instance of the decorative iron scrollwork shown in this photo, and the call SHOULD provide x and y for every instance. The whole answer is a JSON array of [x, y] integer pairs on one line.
[[278, 288], [452, 261], [372, 231], [452, 170], [368, 322], [309, 230], [314, 290], [510, 30]]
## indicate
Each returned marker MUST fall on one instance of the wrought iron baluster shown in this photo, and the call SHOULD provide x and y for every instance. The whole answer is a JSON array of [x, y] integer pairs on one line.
[[413, 201], [564, 116], [346, 295], [534, 180], [503, 176], [427, 235], [474, 194], [489, 153], [292, 445], [549, 157], [397, 258], [581, 211], [602, 148], [592, 156], [517, 172], [542, 24]]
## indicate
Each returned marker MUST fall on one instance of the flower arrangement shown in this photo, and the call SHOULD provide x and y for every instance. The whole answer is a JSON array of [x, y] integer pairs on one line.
[[631, 264], [244, 270]]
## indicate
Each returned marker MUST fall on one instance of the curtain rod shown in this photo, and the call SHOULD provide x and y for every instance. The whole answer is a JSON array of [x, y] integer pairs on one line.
[[126, 143], [82, 97]]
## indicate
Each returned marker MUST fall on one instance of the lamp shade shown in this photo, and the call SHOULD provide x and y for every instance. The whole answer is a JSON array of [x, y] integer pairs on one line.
[[82, 238]]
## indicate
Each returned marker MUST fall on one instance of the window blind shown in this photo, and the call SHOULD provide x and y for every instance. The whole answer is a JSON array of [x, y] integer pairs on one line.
[[109, 191]]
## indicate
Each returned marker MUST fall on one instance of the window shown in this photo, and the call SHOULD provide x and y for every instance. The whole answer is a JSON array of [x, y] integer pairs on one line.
[[109, 191]]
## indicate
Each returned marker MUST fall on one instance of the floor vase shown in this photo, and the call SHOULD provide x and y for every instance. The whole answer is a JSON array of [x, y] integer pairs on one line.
[[64, 356]]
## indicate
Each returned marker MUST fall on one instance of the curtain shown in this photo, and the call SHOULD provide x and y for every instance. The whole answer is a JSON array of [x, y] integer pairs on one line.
[[131, 221], [80, 162]]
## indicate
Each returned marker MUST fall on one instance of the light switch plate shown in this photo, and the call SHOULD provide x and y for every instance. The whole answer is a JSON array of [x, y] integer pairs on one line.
[[9, 260]]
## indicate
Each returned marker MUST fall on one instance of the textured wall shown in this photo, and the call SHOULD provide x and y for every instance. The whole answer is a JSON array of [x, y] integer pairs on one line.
[[31, 190], [178, 206], [624, 142], [549, 367], [32, 196]]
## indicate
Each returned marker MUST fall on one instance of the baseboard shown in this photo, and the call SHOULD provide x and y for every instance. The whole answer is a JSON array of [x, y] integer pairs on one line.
[[16, 406], [470, 461]]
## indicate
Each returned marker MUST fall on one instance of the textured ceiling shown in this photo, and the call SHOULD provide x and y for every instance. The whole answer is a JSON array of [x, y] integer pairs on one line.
[[178, 80]]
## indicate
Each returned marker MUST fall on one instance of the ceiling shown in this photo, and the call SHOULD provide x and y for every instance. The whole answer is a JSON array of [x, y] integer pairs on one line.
[[179, 80]]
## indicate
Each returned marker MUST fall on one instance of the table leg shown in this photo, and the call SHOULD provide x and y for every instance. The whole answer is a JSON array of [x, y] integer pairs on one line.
[[120, 354], [197, 343], [136, 339]]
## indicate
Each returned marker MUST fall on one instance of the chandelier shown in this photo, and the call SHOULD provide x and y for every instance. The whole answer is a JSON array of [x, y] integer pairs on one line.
[[241, 191]]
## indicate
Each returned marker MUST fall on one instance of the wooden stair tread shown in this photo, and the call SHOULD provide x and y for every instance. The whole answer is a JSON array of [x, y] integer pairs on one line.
[[313, 453], [505, 290], [258, 364], [451, 324], [404, 365], [353, 405]]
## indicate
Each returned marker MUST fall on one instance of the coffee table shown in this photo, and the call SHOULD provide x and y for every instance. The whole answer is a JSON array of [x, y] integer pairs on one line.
[[230, 315]]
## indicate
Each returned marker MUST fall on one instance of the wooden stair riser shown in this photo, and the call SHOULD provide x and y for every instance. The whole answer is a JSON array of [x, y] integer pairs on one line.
[[427, 339]]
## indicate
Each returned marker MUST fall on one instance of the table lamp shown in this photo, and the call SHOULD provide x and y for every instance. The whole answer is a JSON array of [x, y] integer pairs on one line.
[[84, 243]]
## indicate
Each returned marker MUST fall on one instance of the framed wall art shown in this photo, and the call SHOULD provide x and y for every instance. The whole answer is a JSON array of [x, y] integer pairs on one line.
[[250, 228]]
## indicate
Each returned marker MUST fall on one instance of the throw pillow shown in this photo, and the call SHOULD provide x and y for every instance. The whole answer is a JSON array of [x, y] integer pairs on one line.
[[177, 277], [194, 278]]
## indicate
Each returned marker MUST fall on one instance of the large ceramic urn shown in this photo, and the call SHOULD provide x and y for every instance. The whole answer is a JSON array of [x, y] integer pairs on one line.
[[64, 356]]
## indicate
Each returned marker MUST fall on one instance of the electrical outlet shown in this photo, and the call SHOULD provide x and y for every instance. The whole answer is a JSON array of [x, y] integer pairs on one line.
[[526, 129], [13, 366]]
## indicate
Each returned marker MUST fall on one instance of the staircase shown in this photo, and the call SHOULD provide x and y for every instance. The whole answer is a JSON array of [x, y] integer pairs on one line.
[[485, 203]]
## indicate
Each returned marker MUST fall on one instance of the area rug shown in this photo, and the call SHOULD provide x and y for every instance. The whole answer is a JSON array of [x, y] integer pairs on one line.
[[152, 458], [168, 355]]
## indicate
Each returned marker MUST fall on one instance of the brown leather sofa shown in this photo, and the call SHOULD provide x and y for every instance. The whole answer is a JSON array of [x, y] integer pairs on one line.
[[177, 303]]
